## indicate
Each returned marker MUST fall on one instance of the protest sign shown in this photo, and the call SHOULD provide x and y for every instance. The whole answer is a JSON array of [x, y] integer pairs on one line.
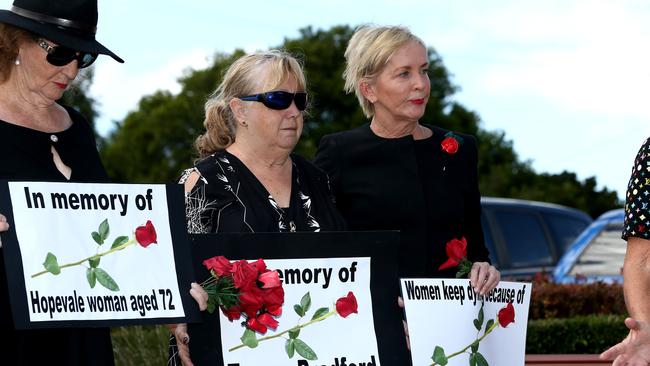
[[450, 324], [339, 308], [82, 254]]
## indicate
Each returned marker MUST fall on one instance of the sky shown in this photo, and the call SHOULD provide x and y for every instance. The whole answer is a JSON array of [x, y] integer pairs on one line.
[[565, 80]]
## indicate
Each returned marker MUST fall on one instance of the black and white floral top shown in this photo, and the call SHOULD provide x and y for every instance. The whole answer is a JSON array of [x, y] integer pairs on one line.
[[229, 198], [637, 198]]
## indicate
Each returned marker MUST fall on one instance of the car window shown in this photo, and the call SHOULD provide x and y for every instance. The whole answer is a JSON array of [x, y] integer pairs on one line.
[[604, 256], [524, 238], [565, 230]]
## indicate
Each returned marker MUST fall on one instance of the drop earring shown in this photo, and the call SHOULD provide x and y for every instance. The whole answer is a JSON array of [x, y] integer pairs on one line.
[[17, 62]]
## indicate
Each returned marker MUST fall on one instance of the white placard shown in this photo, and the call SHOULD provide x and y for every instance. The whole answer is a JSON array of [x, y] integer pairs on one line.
[[445, 313], [335, 340], [59, 218]]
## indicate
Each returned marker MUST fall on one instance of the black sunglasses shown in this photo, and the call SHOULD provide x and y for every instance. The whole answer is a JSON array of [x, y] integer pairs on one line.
[[61, 55], [279, 100]]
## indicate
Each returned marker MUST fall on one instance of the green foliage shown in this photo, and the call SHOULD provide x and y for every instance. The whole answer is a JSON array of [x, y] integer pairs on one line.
[[140, 345], [583, 334], [156, 142], [549, 300]]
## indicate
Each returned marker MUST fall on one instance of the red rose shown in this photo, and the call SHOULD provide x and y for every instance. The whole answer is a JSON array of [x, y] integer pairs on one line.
[[145, 235], [268, 320], [251, 301], [221, 265], [273, 297], [244, 275], [270, 279], [456, 252], [506, 315], [449, 145], [254, 324], [233, 313], [259, 265], [346, 305]]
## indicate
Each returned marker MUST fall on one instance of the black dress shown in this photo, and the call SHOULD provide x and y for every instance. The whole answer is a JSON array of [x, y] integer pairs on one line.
[[229, 198], [25, 154], [414, 186]]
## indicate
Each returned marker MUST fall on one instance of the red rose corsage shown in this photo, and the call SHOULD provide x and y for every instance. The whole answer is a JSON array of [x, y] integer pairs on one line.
[[451, 143]]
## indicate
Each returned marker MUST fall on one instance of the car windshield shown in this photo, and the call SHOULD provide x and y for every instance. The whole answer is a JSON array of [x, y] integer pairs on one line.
[[605, 254]]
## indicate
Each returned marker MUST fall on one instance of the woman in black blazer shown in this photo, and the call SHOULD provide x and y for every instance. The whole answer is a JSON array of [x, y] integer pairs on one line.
[[397, 174]]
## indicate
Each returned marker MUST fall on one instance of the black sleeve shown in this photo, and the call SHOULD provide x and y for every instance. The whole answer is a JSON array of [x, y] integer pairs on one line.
[[476, 251], [636, 198], [327, 158]]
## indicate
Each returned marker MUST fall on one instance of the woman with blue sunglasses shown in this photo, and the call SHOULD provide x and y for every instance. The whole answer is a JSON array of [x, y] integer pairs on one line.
[[247, 178]]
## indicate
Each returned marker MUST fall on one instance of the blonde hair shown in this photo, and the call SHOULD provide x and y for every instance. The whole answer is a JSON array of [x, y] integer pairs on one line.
[[240, 79], [368, 51]]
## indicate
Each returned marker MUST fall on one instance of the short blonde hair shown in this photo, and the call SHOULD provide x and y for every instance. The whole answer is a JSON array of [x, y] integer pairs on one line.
[[368, 51], [240, 79]]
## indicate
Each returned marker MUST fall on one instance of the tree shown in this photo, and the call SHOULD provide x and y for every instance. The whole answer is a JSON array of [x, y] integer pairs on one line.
[[155, 142]]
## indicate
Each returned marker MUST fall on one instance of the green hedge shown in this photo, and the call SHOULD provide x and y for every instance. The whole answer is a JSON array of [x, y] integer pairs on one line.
[[140, 345], [549, 300], [589, 334]]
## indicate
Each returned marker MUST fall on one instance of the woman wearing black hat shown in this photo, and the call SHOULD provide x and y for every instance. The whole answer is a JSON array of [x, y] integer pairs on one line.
[[43, 44]]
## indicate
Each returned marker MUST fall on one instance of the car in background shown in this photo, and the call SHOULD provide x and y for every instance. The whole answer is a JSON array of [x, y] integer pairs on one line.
[[527, 237], [597, 254]]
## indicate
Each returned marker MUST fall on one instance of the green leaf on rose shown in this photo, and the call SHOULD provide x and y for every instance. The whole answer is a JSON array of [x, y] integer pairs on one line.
[[439, 356], [290, 347], [305, 302], [489, 324], [91, 277], [293, 334], [104, 230], [51, 264], [472, 359], [481, 317], [249, 339], [119, 241], [475, 346], [480, 360], [106, 280], [97, 238], [299, 310], [94, 261], [304, 350], [320, 312], [477, 325]]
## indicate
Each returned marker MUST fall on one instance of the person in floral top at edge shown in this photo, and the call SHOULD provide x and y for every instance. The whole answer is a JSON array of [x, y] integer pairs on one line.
[[247, 178], [395, 173], [634, 350]]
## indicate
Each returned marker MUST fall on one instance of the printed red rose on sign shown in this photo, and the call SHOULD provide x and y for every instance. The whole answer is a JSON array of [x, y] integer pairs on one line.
[[346, 305], [456, 252], [220, 265], [146, 235], [449, 145], [506, 315]]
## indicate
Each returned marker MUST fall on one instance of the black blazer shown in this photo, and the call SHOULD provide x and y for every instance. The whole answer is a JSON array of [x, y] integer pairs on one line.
[[431, 196]]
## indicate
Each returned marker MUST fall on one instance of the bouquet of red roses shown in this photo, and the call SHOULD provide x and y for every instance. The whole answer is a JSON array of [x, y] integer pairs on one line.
[[243, 288]]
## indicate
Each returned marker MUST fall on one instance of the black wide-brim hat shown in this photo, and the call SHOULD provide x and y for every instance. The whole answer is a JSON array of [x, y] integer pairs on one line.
[[70, 23]]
